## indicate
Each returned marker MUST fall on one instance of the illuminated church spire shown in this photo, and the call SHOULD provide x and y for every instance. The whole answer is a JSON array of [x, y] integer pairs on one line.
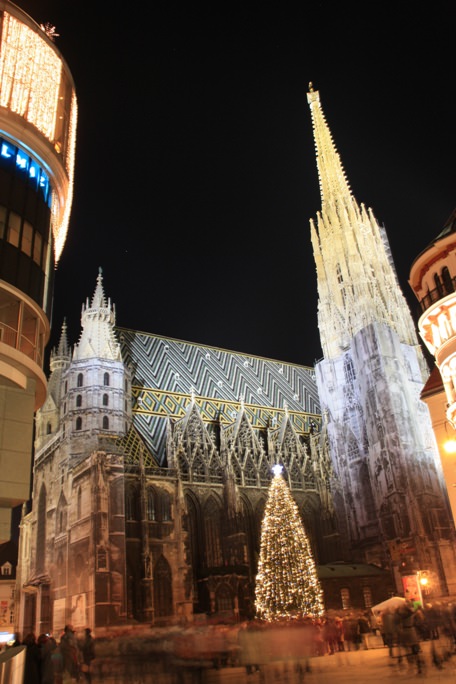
[[98, 318], [357, 281], [388, 482]]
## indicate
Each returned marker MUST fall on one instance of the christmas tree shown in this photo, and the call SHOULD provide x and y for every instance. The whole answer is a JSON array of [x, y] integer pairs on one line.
[[287, 584]]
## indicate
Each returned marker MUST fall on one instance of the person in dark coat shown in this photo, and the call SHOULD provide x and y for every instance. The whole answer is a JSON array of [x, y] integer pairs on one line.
[[88, 653], [46, 645], [70, 653], [32, 660]]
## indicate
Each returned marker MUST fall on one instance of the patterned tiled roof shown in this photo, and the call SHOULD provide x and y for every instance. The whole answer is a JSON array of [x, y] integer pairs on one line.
[[167, 372]]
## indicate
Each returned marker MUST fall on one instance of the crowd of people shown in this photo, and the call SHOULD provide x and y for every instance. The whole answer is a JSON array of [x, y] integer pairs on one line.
[[48, 661], [256, 645], [404, 627]]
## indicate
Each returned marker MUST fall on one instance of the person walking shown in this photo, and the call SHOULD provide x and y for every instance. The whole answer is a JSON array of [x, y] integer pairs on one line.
[[70, 653], [88, 653], [32, 673]]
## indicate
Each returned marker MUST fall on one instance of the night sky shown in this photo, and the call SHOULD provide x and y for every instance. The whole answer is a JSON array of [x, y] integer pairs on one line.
[[195, 167]]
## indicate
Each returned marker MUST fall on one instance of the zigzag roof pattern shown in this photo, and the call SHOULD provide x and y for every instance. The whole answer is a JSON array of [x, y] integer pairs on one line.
[[166, 373]]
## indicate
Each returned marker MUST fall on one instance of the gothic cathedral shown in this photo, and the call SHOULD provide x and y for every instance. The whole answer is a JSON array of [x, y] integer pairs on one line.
[[153, 456]]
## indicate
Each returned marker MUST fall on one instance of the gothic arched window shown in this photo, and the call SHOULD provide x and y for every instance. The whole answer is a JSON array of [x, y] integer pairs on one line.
[[223, 598], [105, 423], [106, 379], [212, 534], [79, 423], [80, 379], [41, 530], [165, 506], [78, 400], [105, 400], [163, 589], [48, 429], [150, 504], [132, 503]]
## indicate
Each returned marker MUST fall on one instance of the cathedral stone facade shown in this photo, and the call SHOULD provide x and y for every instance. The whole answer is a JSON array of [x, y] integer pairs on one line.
[[152, 465], [389, 490], [153, 456]]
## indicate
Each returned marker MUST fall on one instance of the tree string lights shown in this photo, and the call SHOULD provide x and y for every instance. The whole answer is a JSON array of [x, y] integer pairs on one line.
[[287, 584]]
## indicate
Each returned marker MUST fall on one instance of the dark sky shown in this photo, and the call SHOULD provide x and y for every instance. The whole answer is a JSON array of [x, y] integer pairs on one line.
[[195, 168]]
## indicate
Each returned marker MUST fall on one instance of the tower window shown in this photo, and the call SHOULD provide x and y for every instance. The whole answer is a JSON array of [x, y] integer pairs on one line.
[[48, 429], [105, 423], [79, 400], [345, 596], [106, 379], [80, 379], [78, 423], [105, 400]]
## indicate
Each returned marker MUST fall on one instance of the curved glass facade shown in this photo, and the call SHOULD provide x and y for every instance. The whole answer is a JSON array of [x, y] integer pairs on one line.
[[25, 233]]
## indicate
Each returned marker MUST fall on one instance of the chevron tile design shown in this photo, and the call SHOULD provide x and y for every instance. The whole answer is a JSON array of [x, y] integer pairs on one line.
[[166, 372]]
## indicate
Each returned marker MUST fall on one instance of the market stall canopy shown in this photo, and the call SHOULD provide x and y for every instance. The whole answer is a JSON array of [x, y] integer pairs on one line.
[[390, 603]]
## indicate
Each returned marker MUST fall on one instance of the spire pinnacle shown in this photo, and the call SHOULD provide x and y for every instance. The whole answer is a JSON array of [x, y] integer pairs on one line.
[[333, 182], [98, 319]]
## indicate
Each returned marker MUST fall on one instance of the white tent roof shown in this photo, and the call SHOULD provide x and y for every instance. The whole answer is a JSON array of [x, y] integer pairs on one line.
[[392, 602]]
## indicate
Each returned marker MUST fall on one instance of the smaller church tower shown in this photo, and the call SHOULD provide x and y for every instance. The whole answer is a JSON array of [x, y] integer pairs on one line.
[[73, 551], [96, 387]]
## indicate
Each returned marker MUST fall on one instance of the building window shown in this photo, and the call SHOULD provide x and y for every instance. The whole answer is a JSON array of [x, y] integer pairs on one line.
[[105, 423], [48, 429], [345, 596], [79, 504], [212, 521], [80, 379], [79, 423], [163, 590], [101, 559], [367, 595], [447, 281], [27, 237], [106, 379], [165, 506], [223, 598], [6, 569], [150, 504], [79, 400], [14, 228], [132, 504], [105, 400]]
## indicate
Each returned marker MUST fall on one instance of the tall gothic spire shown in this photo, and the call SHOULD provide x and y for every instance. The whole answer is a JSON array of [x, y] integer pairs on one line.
[[98, 318], [333, 182], [357, 282]]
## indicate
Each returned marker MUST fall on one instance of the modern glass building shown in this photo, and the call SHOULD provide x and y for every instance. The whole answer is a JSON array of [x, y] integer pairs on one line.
[[38, 115]]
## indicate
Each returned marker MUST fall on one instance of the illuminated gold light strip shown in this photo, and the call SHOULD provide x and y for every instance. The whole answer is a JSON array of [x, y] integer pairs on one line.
[[60, 223], [30, 79], [30, 75]]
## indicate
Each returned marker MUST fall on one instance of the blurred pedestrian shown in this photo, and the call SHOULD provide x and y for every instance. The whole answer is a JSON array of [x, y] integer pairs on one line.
[[46, 644], [70, 653], [32, 660], [88, 653]]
